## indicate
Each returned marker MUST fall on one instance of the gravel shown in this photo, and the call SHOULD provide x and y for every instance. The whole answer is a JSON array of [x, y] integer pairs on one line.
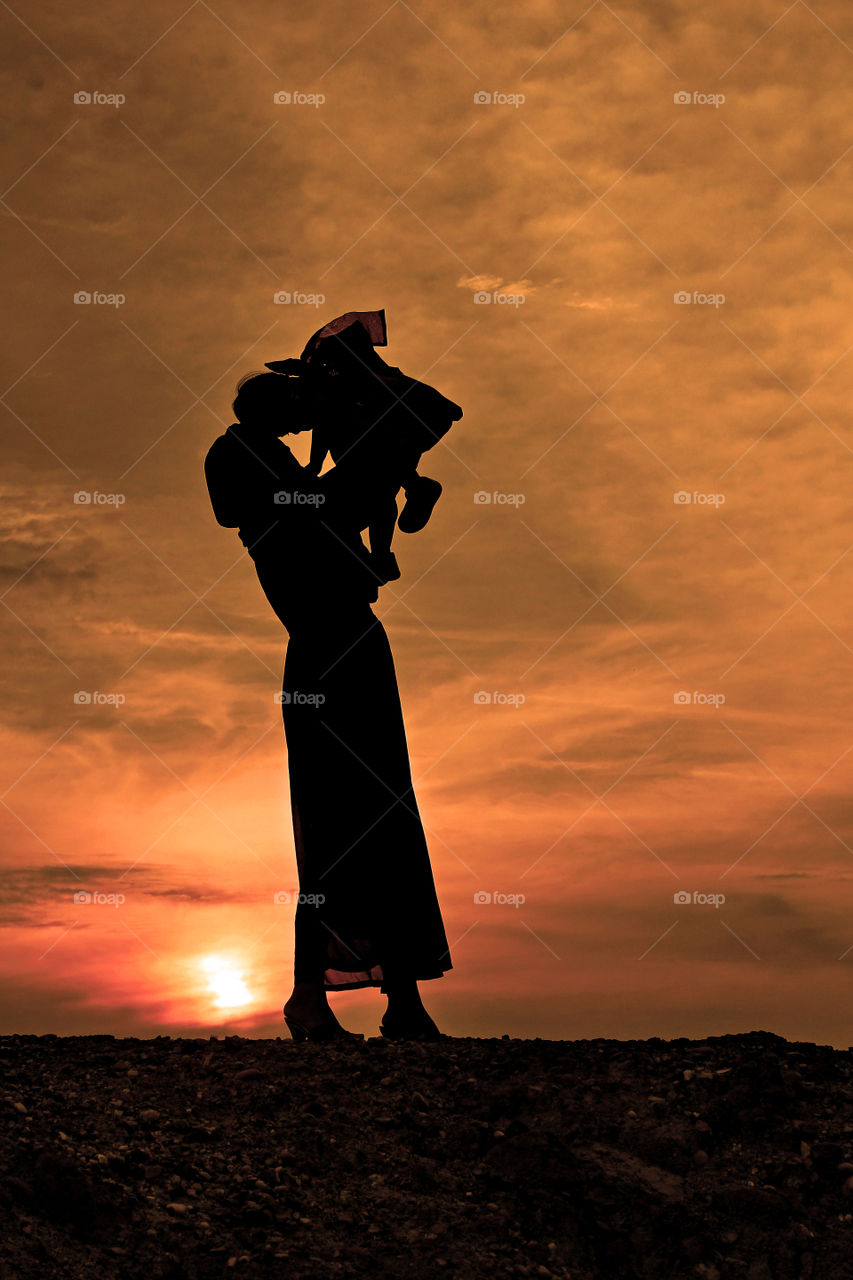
[[717, 1158]]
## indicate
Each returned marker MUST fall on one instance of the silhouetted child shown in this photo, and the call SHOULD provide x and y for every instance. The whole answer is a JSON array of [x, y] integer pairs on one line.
[[376, 423]]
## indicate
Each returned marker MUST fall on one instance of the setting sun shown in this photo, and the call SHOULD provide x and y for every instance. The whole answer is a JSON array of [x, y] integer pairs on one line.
[[225, 982]]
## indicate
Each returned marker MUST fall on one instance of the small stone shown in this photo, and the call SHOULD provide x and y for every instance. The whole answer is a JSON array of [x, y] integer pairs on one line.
[[249, 1073], [149, 1116], [827, 1153], [700, 1158]]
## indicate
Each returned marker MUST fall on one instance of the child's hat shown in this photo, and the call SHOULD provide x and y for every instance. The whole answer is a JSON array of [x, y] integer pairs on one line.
[[372, 321]]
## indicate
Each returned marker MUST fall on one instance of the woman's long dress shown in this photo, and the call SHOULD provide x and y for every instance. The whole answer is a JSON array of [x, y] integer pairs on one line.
[[368, 910], [368, 907]]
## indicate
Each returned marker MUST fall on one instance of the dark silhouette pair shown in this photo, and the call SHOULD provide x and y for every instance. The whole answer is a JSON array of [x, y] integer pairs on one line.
[[368, 913]]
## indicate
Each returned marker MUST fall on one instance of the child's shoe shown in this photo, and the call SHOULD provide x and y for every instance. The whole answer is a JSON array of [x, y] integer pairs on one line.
[[384, 565], [421, 497]]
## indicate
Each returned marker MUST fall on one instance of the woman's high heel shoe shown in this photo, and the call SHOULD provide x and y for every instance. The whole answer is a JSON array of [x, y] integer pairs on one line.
[[420, 1027], [322, 1032]]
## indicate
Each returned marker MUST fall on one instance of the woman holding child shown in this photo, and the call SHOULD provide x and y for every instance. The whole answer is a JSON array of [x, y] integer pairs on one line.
[[368, 914]]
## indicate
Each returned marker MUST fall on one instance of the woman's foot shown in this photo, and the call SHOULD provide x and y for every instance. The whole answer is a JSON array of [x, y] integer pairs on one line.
[[308, 1003], [409, 1025], [309, 1017], [406, 1018], [327, 1028]]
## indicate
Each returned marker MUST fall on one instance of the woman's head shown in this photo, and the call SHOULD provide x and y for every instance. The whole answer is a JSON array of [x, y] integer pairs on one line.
[[272, 401]]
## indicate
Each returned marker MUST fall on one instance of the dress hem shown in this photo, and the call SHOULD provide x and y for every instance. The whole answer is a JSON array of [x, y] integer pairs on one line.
[[376, 982]]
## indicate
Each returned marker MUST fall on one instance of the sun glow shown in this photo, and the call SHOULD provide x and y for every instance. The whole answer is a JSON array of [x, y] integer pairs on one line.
[[225, 982]]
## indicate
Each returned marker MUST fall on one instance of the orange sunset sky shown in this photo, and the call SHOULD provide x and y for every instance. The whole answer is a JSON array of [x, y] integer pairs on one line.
[[619, 235]]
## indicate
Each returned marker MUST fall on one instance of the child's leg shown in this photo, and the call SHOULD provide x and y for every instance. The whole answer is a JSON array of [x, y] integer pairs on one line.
[[422, 493], [381, 528]]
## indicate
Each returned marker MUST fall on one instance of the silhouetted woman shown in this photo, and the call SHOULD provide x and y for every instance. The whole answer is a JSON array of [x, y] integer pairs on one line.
[[367, 914]]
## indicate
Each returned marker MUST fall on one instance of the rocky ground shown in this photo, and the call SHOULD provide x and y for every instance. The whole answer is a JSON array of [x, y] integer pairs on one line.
[[709, 1159]]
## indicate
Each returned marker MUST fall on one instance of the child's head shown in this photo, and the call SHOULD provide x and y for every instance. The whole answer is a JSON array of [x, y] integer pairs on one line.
[[350, 351], [271, 401]]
